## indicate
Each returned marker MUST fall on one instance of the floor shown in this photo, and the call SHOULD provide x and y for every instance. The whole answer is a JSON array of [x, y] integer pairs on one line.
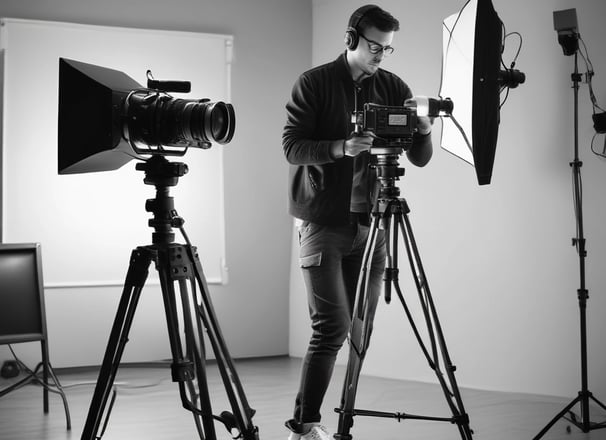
[[148, 407]]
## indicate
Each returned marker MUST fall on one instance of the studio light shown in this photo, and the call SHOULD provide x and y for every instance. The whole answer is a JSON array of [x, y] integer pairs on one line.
[[432, 107], [107, 119], [474, 76], [565, 23]]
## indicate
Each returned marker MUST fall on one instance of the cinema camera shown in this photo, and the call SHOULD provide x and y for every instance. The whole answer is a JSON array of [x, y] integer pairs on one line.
[[107, 119], [395, 126]]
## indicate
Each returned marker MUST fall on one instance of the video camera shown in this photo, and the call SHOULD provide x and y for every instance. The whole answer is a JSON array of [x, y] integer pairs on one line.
[[394, 126], [106, 119], [387, 122]]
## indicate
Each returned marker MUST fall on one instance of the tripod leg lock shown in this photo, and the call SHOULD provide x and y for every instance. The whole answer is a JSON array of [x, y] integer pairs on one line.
[[461, 420], [182, 371], [390, 274]]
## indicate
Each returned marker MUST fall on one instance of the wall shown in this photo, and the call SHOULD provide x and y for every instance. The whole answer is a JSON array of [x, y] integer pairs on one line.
[[272, 41], [499, 259]]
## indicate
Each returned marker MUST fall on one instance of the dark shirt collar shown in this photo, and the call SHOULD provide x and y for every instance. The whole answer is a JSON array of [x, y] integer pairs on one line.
[[345, 71]]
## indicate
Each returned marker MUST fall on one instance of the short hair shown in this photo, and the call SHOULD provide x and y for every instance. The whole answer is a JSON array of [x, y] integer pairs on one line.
[[380, 19]]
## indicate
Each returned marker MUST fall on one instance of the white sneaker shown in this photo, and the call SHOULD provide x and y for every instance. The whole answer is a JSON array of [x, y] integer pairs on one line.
[[317, 432]]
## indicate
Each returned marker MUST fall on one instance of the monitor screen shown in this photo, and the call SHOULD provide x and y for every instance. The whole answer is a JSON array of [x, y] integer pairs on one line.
[[21, 297]]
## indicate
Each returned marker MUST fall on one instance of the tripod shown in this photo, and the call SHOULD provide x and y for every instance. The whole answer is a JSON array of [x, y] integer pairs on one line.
[[179, 269], [390, 214], [584, 396]]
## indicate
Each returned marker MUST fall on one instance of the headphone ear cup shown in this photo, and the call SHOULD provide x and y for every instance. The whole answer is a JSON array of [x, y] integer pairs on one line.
[[351, 39]]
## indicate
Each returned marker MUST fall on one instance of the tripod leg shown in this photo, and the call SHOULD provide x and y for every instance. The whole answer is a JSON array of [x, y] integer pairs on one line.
[[359, 336], [439, 350], [188, 367], [181, 267], [135, 279], [241, 417]]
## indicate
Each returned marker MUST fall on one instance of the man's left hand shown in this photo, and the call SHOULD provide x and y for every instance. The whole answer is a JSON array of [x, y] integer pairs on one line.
[[424, 125]]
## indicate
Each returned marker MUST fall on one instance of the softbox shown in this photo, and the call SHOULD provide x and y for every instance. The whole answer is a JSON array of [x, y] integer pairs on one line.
[[473, 79]]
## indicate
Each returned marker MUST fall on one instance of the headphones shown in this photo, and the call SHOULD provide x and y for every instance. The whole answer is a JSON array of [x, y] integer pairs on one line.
[[351, 34]]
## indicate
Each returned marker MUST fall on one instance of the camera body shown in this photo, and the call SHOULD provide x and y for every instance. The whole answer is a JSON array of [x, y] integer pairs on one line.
[[387, 122]]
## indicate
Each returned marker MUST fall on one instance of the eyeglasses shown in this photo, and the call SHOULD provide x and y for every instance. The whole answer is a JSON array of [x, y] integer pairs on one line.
[[375, 48]]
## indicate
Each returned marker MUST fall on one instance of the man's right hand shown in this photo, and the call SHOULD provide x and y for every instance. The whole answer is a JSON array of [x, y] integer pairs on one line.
[[358, 143]]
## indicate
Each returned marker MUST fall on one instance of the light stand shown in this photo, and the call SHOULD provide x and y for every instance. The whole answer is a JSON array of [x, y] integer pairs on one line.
[[390, 214], [180, 274], [585, 396]]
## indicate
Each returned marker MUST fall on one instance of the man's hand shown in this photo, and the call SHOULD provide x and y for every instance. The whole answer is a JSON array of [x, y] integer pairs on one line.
[[424, 125], [358, 143]]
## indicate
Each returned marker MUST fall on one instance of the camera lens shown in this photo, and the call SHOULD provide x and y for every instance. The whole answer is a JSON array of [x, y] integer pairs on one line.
[[218, 122], [159, 119]]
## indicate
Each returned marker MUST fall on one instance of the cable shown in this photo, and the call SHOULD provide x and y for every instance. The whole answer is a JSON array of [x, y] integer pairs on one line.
[[598, 153], [589, 75], [578, 201], [513, 62], [35, 376], [596, 109]]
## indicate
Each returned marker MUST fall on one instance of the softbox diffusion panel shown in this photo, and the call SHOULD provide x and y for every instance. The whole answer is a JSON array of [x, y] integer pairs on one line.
[[472, 42]]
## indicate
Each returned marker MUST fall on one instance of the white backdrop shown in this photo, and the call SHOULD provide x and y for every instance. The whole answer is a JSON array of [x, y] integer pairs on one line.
[[88, 223]]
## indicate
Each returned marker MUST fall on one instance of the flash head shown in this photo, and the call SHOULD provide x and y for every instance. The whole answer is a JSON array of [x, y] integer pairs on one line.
[[432, 107]]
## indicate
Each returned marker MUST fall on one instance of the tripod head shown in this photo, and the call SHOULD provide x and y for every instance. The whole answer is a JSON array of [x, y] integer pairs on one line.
[[385, 161], [162, 174]]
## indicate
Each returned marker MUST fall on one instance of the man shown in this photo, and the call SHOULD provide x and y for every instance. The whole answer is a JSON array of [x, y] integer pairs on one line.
[[331, 192]]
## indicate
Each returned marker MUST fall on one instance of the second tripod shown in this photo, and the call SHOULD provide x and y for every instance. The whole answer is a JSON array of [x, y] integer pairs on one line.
[[189, 316], [390, 213]]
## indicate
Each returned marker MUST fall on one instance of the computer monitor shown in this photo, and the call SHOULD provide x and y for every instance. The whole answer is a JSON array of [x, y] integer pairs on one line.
[[22, 315]]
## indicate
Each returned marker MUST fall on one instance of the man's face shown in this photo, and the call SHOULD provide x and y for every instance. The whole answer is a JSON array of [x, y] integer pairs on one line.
[[362, 59]]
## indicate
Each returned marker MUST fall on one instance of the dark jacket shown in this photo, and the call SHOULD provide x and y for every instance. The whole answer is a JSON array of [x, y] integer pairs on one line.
[[318, 115]]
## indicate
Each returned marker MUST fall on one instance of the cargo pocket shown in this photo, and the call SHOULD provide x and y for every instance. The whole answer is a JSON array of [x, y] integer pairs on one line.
[[311, 261]]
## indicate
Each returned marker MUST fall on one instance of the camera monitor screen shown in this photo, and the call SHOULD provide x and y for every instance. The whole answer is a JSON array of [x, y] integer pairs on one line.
[[472, 41]]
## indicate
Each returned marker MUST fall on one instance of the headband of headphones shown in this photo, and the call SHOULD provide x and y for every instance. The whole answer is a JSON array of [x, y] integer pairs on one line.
[[351, 34]]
